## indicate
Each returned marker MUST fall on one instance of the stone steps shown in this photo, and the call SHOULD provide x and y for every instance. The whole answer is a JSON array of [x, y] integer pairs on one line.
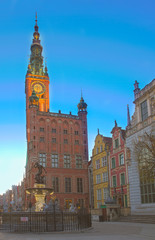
[[138, 219]]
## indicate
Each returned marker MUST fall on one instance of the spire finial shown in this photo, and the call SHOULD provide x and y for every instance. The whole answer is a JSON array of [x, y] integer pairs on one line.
[[115, 123], [98, 131], [81, 93], [128, 116], [36, 18]]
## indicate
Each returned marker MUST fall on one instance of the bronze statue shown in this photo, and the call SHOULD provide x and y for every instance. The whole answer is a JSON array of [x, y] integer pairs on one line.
[[38, 177]]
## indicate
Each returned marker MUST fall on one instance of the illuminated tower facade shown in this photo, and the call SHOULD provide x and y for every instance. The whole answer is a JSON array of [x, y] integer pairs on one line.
[[58, 141], [37, 78]]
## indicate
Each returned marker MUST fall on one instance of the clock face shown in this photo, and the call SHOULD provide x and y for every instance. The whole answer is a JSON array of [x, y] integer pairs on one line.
[[38, 87]]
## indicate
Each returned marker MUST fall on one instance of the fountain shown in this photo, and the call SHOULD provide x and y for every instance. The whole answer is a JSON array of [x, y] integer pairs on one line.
[[39, 190]]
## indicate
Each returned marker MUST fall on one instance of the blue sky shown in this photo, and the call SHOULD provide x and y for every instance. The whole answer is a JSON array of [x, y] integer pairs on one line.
[[97, 45]]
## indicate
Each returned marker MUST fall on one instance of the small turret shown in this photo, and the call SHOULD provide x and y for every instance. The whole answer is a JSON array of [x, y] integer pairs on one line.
[[33, 99], [82, 106], [128, 116], [137, 89]]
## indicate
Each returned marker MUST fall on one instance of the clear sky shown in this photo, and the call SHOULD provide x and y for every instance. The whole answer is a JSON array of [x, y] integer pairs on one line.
[[101, 46]]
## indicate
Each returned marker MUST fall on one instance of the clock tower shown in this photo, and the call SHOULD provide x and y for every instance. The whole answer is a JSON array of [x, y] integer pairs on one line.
[[37, 78], [57, 141]]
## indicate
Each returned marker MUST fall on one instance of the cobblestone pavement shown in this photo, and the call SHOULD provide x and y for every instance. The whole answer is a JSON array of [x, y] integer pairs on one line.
[[99, 230]]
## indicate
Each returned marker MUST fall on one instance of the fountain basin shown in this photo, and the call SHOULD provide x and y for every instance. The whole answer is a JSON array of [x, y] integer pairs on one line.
[[39, 191]]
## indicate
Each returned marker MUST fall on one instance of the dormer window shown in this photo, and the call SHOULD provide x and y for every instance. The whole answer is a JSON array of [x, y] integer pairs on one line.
[[144, 111]]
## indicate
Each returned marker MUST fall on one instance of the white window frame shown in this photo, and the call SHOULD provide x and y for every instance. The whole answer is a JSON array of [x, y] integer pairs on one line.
[[54, 160], [120, 160], [98, 178], [105, 194], [105, 176], [97, 163], [104, 161], [99, 194]]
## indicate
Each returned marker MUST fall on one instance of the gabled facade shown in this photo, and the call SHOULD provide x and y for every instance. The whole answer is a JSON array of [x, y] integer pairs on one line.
[[100, 155], [142, 189], [118, 172]]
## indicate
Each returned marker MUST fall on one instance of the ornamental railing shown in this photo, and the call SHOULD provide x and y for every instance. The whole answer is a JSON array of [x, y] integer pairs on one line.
[[43, 221]]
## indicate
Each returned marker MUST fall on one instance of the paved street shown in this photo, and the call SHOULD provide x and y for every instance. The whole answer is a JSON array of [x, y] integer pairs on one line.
[[104, 231]]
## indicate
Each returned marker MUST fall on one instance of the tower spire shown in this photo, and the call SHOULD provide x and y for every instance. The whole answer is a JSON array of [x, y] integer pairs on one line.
[[36, 25], [128, 116], [36, 59], [36, 19]]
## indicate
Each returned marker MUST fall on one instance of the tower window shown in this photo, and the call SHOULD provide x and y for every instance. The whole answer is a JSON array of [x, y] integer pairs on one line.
[[66, 141], [42, 159], [41, 129], [79, 185], [53, 130], [76, 142], [55, 184], [42, 139], [76, 133], [53, 140], [78, 161], [67, 162], [67, 185], [65, 131], [54, 158]]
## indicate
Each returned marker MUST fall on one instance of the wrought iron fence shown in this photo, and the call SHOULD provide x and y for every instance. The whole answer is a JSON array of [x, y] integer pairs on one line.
[[43, 221]]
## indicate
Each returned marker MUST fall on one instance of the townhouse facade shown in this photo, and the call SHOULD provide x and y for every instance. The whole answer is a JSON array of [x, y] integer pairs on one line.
[[118, 170], [100, 155]]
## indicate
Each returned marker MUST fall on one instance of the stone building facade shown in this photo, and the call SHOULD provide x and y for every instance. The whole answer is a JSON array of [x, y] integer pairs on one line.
[[142, 191], [58, 141]]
